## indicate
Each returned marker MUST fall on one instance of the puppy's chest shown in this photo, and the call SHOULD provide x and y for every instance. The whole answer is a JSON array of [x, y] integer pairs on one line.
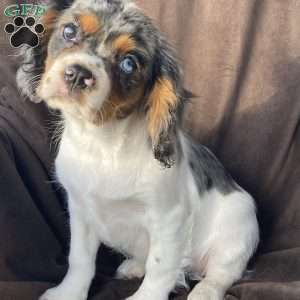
[[110, 189], [95, 172]]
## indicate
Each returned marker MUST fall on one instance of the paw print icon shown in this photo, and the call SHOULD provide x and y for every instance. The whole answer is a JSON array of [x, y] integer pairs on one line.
[[24, 31]]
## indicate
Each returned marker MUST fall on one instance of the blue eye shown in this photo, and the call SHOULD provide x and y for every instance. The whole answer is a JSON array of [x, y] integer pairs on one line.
[[128, 65], [70, 32]]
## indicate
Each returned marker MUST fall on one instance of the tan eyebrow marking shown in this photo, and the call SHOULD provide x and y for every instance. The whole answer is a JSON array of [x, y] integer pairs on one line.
[[124, 43], [89, 23]]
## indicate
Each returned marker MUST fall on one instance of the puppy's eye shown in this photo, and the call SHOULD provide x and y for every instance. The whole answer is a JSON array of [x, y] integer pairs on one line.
[[70, 32], [128, 64]]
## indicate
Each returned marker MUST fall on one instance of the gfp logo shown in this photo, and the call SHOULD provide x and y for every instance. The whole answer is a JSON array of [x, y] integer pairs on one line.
[[24, 30], [24, 10]]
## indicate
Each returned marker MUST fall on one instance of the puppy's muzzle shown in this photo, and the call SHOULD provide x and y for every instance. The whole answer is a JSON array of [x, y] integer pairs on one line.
[[78, 77]]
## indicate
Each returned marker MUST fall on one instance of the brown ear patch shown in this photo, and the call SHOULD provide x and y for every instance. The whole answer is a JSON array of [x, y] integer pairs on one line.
[[89, 23], [161, 102], [124, 43]]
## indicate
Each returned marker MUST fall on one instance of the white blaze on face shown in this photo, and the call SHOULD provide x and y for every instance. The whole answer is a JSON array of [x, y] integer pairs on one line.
[[54, 86]]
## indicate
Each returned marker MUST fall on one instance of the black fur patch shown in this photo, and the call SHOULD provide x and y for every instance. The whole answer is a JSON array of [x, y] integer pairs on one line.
[[208, 171]]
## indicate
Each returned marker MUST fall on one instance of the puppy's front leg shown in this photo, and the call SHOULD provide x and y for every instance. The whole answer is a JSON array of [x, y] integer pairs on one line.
[[164, 258], [83, 251]]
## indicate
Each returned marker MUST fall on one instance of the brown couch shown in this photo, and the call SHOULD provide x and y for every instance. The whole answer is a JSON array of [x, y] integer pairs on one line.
[[242, 59]]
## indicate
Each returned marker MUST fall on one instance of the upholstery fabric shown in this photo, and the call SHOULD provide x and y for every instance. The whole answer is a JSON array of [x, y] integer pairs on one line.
[[242, 60]]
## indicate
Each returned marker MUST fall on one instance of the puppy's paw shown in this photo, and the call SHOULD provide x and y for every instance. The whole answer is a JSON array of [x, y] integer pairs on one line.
[[141, 297], [129, 269], [58, 293], [205, 292], [50, 295], [151, 294]]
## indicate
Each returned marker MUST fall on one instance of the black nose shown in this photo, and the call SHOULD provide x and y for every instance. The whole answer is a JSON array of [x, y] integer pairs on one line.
[[78, 77]]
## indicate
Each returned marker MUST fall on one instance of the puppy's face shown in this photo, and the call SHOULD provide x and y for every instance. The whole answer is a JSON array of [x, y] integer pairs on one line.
[[105, 60], [99, 62]]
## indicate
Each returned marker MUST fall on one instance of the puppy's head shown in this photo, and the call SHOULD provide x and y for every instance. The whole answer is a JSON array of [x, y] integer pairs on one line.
[[103, 60]]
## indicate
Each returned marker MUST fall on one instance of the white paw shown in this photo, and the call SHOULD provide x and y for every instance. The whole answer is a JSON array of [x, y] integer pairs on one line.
[[140, 297], [129, 269], [58, 293], [145, 294], [205, 292]]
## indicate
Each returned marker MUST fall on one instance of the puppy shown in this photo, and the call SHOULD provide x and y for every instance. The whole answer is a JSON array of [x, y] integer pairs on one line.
[[134, 180]]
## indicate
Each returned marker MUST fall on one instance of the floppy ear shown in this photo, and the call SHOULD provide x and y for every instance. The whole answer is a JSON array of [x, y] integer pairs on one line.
[[33, 59], [164, 106]]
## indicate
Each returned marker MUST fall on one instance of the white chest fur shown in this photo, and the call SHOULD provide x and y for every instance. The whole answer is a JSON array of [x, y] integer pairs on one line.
[[111, 174], [106, 159]]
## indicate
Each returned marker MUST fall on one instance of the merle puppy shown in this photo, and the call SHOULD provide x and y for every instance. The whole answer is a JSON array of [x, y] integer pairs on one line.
[[134, 180]]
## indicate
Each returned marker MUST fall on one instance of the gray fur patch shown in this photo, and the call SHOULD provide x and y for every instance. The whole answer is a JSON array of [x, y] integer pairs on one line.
[[208, 171]]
